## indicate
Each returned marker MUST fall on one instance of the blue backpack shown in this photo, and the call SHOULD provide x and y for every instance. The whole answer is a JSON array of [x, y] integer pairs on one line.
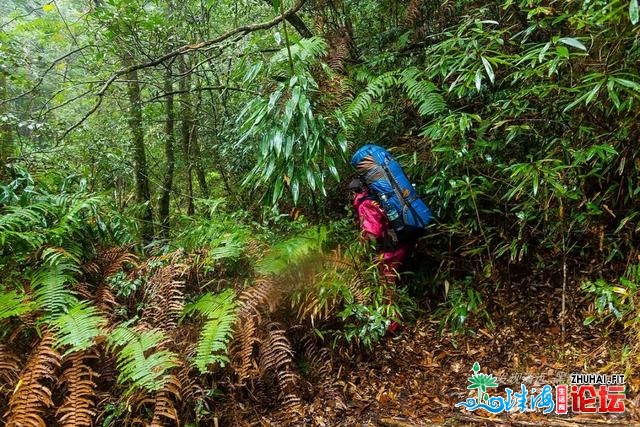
[[382, 174]]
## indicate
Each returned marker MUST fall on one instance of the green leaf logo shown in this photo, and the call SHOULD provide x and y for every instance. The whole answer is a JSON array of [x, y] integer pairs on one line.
[[481, 382]]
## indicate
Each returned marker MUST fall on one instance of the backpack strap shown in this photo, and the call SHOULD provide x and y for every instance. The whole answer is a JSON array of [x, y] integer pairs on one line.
[[399, 194]]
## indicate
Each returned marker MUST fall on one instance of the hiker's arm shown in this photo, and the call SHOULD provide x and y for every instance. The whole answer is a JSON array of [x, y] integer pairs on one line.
[[371, 220]]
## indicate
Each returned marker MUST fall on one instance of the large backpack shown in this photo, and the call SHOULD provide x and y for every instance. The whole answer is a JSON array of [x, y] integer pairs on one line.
[[407, 213]]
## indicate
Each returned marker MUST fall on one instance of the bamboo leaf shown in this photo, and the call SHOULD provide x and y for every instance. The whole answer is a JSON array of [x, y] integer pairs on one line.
[[488, 69], [478, 80], [634, 12], [570, 41]]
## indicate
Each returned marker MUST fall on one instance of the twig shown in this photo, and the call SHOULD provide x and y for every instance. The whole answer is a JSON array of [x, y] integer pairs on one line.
[[243, 30], [392, 422], [41, 78]]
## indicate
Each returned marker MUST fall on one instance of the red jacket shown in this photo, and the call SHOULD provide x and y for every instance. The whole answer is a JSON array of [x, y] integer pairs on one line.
[[374, 224]]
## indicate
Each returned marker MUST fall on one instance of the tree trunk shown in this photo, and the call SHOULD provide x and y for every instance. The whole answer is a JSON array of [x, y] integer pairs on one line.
[[196, 156], [143, 194], [167, 182], [187, 125], [6, 132]]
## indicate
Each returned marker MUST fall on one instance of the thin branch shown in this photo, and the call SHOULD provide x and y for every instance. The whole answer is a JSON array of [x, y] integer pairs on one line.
[[24, 15], [200, 89], [242, 30], [44, 112], [41, 79]]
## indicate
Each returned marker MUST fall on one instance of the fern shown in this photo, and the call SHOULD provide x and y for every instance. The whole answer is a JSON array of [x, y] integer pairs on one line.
[[420, 92], [78, 328], [49, 284], [303, 52], [14, 304], [165, 408], [222, 235], [19, 225], [375, 89], [31, 397], [78, 407], [219, 310], [140, 358], [291, 252]]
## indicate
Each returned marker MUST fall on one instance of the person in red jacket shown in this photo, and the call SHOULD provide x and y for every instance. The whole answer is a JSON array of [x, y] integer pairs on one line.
[[374, 227]]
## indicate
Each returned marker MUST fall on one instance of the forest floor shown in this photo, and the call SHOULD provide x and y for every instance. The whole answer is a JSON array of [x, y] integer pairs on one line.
[[417, 377]]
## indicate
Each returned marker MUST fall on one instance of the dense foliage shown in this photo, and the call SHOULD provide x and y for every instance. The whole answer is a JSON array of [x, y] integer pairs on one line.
[[172, 207]]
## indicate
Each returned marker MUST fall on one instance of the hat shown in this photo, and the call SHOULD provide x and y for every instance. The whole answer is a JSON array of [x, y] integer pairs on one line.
[[355, 185]]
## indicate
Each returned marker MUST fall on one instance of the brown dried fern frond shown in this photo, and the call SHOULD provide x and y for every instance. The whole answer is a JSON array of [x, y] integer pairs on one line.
[[319, 360], [413, 13], [78, 408], [9, 369], [255, 248], [110, 261], [276, 353], [263, 293], [339, 51], [192, 389], [32, 397], [164, 296], [325, 295], [242, 347], [276, 358], [102, 297], [165, 403]]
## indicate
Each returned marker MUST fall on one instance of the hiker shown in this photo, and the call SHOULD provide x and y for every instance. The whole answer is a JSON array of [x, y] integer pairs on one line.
[[389, 209], [374, 227]]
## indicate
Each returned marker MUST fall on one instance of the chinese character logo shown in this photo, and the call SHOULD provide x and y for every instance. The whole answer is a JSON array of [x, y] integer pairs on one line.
[[590, 393], [521, 401]]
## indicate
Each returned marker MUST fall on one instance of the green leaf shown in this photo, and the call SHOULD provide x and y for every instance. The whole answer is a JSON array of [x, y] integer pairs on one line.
[[478, 80], [295, 190], [488, 69], [634, 12], [332, 168], [572, 42], [628, 83], [311, 179], [276, 5], [543, 51], [562, 51]]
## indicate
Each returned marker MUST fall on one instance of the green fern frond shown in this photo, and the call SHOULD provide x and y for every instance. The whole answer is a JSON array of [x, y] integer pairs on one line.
[[421, 92], [49, 283], [14, 304], [220, 312], [76, 208], [303, 51], [144, 370], [375, 90], [291, 252], [78, 327], [18, 224], [222, 235]]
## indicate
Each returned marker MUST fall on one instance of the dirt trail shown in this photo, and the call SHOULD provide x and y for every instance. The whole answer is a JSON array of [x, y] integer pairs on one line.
[[418, 377]]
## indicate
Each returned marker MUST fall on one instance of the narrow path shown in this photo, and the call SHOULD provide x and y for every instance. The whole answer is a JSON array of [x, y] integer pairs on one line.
[[417, 378]]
